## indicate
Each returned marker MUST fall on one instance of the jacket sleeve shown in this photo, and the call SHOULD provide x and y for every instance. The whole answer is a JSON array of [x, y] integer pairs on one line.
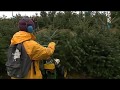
[[40, 52]]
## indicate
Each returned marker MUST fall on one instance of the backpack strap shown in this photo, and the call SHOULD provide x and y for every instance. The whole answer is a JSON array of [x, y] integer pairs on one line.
[[32, 60], [34, 66]]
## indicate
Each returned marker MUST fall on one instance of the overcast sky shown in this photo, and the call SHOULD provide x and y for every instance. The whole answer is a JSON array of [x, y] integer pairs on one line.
[[23, 13]]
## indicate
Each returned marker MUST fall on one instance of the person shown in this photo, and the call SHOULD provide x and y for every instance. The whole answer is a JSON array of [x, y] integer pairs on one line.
[[35, 22], [36, 51]]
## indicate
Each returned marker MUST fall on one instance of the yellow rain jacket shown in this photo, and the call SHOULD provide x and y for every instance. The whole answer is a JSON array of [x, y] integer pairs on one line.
[[36, 52]]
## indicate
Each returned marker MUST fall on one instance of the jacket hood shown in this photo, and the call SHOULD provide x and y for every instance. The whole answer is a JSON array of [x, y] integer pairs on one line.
[[22, 36]]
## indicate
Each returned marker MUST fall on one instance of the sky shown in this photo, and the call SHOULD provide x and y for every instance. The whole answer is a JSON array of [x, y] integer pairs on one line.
[[9, 14], [23, 13]]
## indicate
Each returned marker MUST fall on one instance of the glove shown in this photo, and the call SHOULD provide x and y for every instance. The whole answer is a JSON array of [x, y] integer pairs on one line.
[[52, 45]]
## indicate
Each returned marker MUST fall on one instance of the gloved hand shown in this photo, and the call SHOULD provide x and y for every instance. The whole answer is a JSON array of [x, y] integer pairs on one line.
[[57, 61], [52, 45]]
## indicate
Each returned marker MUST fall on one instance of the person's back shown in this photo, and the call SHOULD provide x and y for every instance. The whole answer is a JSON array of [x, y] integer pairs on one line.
[[36, 51]]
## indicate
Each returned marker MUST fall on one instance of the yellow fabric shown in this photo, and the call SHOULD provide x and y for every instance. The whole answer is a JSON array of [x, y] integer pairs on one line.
[[49, 66], [36, 51]]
